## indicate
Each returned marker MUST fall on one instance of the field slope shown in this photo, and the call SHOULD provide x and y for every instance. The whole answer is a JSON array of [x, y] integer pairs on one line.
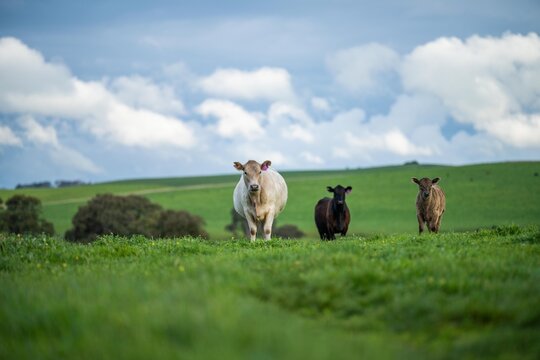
[[382, 200], [452, 295]]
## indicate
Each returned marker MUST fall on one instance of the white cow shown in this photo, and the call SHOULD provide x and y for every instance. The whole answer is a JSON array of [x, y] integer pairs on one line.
[[259, 196]]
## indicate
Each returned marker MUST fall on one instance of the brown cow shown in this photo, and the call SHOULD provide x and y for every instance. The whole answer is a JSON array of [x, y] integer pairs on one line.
[[430, 204], [332, 215]]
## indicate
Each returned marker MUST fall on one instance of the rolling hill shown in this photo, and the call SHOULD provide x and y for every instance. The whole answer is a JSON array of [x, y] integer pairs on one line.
[[382, 200]]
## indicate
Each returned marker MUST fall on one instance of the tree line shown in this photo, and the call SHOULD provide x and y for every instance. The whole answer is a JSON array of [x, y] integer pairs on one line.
[[48, 184], [104, 214], [119, 215]]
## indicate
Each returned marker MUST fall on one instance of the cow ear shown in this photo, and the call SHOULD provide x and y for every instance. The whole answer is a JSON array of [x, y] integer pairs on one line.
[[435, 180], [348, 189], [265, 165], [415, 180], [330, 189], [238, 166]]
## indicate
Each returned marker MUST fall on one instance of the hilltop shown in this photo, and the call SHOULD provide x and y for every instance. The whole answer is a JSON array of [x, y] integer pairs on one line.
[[382, 200]]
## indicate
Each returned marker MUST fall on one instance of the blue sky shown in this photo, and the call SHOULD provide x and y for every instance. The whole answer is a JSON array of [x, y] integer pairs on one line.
[[107, 90]]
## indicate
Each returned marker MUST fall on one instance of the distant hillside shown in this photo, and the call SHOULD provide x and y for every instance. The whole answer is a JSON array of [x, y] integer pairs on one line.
[[382, 200]]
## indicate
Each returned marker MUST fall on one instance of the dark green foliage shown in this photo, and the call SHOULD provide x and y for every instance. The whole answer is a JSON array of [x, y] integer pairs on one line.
[[180, 223], [130, 215], [288, 231], [42, 184], [21, 215]]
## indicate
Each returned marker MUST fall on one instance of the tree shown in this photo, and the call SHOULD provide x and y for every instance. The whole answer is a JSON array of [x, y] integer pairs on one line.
[[22, 216], [289, 231], [172, 223], [130, 215]]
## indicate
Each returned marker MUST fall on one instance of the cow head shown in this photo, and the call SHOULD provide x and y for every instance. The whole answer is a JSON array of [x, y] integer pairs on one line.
[[339, 193], [252, 173], [425, 185]]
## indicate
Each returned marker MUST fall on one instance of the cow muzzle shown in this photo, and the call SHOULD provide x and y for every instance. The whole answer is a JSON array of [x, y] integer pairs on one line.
[[254, 188]]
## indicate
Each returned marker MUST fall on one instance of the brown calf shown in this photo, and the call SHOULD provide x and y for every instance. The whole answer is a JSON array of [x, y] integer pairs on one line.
[[430, 204]]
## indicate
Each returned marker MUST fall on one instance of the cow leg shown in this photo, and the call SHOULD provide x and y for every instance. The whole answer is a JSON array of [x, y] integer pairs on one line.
[[439, 222], [268, 225], [435, 224], [321, 230], [252, 224], [420, 223]]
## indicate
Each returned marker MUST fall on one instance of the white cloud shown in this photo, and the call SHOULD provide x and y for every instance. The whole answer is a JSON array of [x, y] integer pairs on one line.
[[266, 83], [8, 138], [291, 122], [350, 118], [297, 132], [364, 68], [45, 137], [67, 157], [283, 113], [320, 104], [23, 70], [492, 95], [142, 128], [490, 83], [37, 133], [233, 120], [311, 158], [392, 141], [37, 87], [142, 93], [262, 151]]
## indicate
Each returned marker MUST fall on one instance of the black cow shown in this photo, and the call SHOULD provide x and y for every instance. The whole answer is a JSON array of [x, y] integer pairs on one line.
[[332, 215]]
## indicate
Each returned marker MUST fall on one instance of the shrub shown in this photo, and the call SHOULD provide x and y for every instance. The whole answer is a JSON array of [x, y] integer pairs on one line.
[[288, 231], [130, 215], [21, 215], [172, 223]]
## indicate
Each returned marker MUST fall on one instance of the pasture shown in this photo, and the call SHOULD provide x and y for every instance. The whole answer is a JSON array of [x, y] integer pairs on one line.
[[382, 200], [472, 291], [452, 295]]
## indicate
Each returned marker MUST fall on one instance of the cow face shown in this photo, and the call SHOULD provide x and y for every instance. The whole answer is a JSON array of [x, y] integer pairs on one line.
[[425, 185], [339, 193], [252, 173]]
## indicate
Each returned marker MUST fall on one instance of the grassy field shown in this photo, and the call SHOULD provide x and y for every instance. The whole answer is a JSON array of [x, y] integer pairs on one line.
[[471, 295], [472, 291], [382, 200]]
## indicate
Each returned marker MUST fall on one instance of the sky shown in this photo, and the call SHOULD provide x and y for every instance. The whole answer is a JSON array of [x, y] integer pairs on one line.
[[108, 90]]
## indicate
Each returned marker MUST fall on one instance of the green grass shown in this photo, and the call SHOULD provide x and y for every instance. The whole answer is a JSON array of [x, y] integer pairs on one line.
[[382, 201], [463, 295], [381, 292]]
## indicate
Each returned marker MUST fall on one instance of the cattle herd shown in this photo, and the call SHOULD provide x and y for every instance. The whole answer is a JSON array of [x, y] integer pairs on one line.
[[261, 194]]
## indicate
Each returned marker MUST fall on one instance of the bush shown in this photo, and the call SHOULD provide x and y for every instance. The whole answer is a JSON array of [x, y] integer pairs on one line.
[[179, 223], [21, 215], [288, 231], [130, 215]]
